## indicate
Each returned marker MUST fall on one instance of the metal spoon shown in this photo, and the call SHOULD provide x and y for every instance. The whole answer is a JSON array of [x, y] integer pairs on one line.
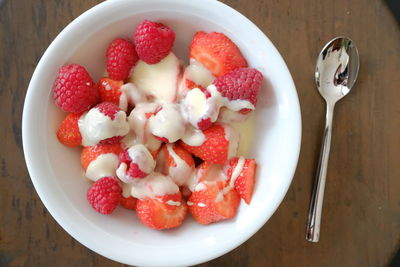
[[335, 74]]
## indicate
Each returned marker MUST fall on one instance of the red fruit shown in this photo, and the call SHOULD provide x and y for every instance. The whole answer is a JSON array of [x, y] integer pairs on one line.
[[213, 204], [162, 139], [128, 202], [110, 90], [180, 152], [138, 163], [133, 169], [241, 84], [204, 124], [215, 147], [68, 132], [90, 153], [121, 56], [244, 183], [216, 52], [104, 195], [191, 84], [108, 109], [158, 214], [74, 90], [153, 41]]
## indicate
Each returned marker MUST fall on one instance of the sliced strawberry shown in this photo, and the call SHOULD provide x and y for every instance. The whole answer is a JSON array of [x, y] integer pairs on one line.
[[128, 202], [181, 152], [177, 163], [68, 132], [216, 52], [110, 90], [90, 153], [167, 212], [213, 204], [244, 181], [191, 84], [215, 147]]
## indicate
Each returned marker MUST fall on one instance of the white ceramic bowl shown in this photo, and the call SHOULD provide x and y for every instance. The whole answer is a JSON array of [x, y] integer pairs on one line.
[[55, 170]]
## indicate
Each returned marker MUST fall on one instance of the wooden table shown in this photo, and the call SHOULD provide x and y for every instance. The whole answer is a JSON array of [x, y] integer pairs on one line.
[[361, 218]]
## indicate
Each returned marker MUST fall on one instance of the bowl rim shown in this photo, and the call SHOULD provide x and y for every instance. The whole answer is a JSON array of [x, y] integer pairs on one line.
[[30, 148]]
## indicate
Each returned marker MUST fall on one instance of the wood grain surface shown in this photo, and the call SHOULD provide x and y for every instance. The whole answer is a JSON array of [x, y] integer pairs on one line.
[[361, 217]]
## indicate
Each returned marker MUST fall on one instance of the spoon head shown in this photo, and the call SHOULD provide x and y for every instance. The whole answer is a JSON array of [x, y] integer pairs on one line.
[[337, 68]]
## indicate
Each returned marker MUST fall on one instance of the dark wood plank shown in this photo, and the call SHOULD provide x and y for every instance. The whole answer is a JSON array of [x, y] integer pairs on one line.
[[361, 219]]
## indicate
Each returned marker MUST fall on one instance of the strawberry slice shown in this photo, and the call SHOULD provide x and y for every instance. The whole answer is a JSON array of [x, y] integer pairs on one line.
[[68, 132], [214, 203], [181, 153], [216, 52], [191, 85], [110, 90], [165, 213], [244, 176], [215, 148], [90, 153], [128, 202]]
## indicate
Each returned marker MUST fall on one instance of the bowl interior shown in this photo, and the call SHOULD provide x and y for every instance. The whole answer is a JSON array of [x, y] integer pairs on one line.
[[58, 176]]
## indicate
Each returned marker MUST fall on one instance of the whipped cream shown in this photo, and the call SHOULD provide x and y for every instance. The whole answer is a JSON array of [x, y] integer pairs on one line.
[[141, 155], [158, 80], [168, 123], [199, 74], [104, 165], [153, 185], [193, 136], [131, 94], [196, 106], [140, 131], [95, 126]]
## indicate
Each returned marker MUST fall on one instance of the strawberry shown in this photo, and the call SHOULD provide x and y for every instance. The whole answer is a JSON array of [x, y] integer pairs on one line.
[[215, 147], [191, 85], [104, 195], [177, 163], [110, 90], [244, 182], [213, 204], [68, 132], [128, 202], [167, 212], [153, 41], [121, 56], [181, 153], [74, 90], [90, 153], [243, 84], [216, 52]]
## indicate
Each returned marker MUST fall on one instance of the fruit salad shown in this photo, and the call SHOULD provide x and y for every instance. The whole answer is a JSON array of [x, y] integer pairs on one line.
[[157, 137]]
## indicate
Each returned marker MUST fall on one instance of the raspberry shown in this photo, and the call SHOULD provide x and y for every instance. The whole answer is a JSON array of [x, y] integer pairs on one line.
[[108, 109], [104, 195], [133, 168], [74, 90], [121, 57], [242, 83], [153, 41]]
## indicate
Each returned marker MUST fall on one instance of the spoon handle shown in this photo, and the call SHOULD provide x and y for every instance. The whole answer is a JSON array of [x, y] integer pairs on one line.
[[317, 198]]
